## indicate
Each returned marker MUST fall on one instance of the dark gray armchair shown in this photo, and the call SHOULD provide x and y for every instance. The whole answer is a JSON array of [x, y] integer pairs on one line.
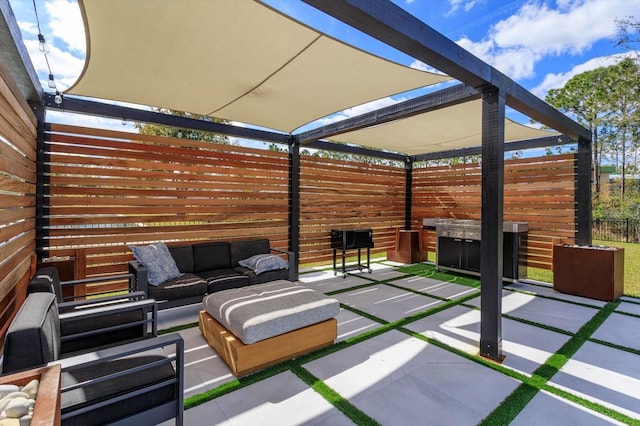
[[136, 383], [128, 318]]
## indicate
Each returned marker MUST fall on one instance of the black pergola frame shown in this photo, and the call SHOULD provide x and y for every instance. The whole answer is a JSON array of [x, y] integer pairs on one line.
[[392, 25]]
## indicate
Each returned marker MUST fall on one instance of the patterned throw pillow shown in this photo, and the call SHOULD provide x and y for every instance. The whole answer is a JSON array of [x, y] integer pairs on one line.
[[264, 262], [159, 263]]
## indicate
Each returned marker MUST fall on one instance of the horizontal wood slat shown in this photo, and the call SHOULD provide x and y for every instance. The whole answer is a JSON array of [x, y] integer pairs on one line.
[[110, 189], [17, 198], [539, 191], [336, 194]]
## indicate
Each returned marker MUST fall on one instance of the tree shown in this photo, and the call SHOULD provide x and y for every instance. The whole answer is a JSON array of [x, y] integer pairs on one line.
[[585, 97], [624, 103], [629, 34], [175, 132]]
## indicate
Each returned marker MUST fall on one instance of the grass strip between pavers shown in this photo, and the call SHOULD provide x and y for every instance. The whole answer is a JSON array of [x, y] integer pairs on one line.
[[225, 388], [177, 328], [503, 414], [513, 404], [348, 409]]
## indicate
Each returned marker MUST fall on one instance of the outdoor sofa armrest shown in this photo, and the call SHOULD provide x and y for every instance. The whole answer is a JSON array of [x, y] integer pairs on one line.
[[139, 271], [85, 316], [128, 377], [131, 279], [293, 263], [129, 297]]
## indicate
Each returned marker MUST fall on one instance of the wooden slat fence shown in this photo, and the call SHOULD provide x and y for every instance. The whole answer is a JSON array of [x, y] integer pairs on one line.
[[17, 198], [112, 189], [539, 191], [337, 193]]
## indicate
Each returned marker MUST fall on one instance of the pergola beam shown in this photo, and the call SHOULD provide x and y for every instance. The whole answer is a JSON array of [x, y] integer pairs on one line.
[[83, 106], [508, 147], [355, 150], [394, 26], [449, 96]]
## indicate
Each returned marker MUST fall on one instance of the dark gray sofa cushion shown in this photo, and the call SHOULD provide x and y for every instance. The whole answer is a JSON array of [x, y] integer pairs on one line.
[[186, 285], [208, 256], [183, 255], [33, 338], [245, 249], [222, 279], [119, 336], [78, 398]]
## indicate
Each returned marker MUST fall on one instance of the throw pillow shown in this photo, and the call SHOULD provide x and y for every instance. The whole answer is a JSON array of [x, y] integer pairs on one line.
[[159, 263], [264, 262]]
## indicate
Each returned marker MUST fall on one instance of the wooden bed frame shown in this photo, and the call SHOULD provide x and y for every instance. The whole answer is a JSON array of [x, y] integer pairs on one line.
[[244, 359]]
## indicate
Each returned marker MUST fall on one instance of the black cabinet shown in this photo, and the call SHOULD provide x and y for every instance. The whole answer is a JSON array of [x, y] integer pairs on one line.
[[471, 255], [450, 252], [464, 254], [459, 253]]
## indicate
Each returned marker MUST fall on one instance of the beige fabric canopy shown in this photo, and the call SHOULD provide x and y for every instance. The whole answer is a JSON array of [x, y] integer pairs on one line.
[[243, 61], [445, 129], [239, 60]]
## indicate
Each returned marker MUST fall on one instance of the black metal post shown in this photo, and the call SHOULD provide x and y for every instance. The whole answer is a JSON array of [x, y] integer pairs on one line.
[[583, 193], [408, 193], [491, 245], [42, 180], [294, 199]]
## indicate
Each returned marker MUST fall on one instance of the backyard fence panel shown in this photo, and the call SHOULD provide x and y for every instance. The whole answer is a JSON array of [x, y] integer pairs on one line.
[[539, 191], [17, 198], [110, 189], [619, 230], [338, 193]]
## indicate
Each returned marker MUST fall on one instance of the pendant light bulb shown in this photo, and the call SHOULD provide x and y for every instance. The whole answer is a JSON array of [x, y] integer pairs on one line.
[[58, 98], [52, 83], [43, 44]]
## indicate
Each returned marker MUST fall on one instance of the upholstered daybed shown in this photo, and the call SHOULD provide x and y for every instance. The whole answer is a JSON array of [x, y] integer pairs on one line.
[[254, 327]]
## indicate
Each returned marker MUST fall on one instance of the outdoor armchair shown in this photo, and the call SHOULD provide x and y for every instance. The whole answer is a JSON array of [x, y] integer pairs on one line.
[[99, 320], [137, 383]]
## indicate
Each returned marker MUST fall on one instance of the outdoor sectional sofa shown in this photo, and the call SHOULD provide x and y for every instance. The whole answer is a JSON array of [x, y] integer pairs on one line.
[[183, 274]]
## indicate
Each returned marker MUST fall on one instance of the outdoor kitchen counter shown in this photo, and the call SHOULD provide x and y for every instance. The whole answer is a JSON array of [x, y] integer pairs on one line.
[[458, 246]]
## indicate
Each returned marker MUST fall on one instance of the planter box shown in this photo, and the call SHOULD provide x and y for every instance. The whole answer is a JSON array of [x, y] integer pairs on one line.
[[46, 412], [596, 273]]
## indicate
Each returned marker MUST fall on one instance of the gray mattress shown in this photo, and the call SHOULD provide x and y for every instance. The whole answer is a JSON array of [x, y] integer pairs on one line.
[[261, 311]]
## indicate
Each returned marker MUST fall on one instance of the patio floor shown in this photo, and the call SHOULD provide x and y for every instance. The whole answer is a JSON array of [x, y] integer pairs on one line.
[[407, 355]]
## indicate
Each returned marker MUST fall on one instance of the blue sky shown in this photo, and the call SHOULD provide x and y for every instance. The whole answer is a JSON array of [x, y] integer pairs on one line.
[[538, 43]]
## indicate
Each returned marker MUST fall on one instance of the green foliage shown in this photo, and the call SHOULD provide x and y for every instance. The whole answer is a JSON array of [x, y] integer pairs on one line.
[[176, 132]]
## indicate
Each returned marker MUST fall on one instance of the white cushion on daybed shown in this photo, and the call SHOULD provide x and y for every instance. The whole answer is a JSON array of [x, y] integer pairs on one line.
[[261, 311]]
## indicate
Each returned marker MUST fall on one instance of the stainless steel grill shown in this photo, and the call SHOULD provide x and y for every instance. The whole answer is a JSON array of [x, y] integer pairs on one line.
[[458, 245]]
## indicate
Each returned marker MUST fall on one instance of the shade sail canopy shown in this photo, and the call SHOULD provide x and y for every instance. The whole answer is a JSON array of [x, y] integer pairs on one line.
[[238, 60], [450, 128]]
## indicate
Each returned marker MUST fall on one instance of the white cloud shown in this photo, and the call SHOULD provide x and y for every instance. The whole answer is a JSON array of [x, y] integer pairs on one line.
[[455, 5], [65, 24], [65, 67], [556, 81], [419, 65], [351, 112], [28, 27], [62, 27], [516, 44]]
